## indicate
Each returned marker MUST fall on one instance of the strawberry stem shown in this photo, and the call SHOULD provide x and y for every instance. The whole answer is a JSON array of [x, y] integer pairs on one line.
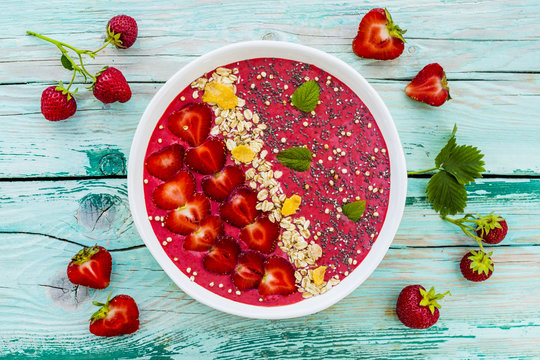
[[104, 46], [71, 82], [467, 230], [430, 298], [62, 47], [86, 72], [481, 262], [422, 171]]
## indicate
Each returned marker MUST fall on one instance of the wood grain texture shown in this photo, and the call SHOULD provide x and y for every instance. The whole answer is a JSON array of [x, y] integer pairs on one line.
[[100, 134], [490, 51], [495, 92], [44, 315], [88, 211]]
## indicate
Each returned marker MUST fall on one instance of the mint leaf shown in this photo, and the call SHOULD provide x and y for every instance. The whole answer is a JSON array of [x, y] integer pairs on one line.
[[446, 194], [295, 158], [354, 210], [66, 63], [465, 163], [306, 97]]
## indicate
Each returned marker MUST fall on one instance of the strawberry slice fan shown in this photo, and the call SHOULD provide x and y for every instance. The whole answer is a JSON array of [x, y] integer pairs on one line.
[[190, 212]]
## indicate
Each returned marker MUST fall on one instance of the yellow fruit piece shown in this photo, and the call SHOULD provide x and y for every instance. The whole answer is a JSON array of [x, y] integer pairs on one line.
[[219, 94], [318, 275], [290, 205], [243, 154]]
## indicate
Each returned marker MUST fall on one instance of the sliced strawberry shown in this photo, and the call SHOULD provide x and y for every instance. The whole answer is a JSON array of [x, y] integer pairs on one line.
[[218, 186], [278, 277], [205, 236], [249, 271], [221, 258], [208, 158], [261, 236], [239, 208], [429, 86], [175, 192], [187, 218], [118, 316], [378, 37], [192, 123], [91, 267], [165, 163]]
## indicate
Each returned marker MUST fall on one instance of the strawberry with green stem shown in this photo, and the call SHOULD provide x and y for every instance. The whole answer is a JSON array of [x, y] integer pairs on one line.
[[122, 31], [490, 229], [417, 308], [55, 107], [57, 103], [117, 316], [455, 167], [476, 265]]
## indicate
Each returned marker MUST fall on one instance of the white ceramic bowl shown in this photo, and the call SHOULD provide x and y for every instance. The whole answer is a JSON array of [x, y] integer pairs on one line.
[[255, 49]]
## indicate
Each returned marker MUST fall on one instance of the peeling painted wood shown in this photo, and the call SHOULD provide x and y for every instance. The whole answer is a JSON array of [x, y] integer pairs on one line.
[[44, 315], [489, 50], [96, 141], [89, 211]]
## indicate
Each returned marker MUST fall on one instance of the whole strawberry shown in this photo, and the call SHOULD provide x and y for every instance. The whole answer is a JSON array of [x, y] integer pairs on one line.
[[111, 86], [118, 316], [492, 229], [57, 103], [418, 309], [476, 265], [429, 86], [91, 267], [122, 31]]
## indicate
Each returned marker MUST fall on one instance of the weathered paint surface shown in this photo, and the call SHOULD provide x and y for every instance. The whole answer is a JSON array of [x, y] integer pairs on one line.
[[490, 51], [43, 314]]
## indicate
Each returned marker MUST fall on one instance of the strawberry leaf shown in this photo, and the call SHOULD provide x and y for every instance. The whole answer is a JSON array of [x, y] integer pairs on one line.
[[457, 165], [66, 63], [465, 163], [295, 158], [446, 151], [306, 97], [446, 194], [354, 210]]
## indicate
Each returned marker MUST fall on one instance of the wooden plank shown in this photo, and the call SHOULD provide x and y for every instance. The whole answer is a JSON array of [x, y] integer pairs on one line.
[[469, 59], [90, 211], [489, 50], [97, 139], [483, 20], [435, 28], [43, 315]]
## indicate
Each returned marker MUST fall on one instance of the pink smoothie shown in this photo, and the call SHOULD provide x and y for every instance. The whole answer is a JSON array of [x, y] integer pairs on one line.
[[360, 168]]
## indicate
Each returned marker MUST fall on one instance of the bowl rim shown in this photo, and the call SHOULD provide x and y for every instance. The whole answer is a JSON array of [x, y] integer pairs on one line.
[[271, 49]]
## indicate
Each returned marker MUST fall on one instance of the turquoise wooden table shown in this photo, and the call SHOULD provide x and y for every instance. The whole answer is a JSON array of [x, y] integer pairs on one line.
[[63, 185]]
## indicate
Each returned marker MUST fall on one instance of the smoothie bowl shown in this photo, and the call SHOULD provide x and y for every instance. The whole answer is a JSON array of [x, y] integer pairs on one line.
[[267, 179]]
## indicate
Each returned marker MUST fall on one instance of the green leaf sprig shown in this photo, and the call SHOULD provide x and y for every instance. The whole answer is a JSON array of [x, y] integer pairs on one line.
[[306, 97], [456, 166], [295, 158]]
